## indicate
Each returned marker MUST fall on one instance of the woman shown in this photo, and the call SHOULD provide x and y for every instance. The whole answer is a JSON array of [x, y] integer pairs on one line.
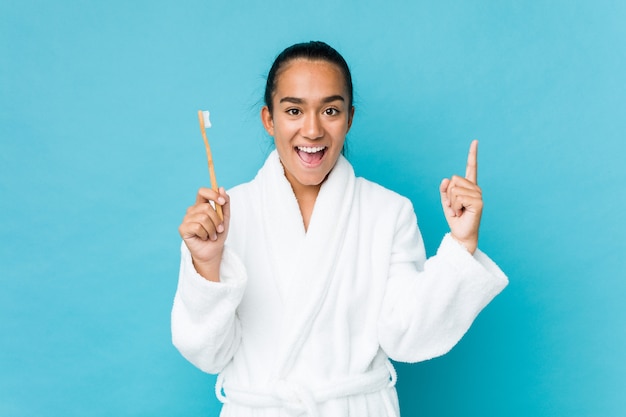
[[315, 278]]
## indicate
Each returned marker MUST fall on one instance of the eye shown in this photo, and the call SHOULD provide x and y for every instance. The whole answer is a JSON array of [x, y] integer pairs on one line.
[[331, 111], [293, 112]]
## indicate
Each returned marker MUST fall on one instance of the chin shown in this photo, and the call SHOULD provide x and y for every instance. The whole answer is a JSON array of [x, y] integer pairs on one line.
[[312, 180]]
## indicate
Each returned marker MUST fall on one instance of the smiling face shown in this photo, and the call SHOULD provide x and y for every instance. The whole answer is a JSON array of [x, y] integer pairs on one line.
[[309, 121]]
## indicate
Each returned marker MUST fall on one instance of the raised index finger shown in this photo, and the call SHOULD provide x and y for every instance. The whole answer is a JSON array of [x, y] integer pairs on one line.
[[471, 171]]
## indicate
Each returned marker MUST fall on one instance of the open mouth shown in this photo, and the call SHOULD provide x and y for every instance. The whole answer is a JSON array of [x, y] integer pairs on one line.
[[311, 155]]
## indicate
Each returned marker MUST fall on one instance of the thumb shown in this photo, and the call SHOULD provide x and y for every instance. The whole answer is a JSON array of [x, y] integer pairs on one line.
[[443, 190], [225, 206]]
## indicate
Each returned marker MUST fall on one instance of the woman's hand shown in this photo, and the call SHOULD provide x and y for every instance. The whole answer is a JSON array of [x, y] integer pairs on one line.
[[204, 232], [462, 202]]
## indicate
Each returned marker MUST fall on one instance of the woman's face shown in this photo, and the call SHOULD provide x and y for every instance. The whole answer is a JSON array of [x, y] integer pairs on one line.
[[310, 119]]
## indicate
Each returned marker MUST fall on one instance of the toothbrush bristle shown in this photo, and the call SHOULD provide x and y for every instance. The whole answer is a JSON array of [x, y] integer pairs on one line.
[[207, 120]]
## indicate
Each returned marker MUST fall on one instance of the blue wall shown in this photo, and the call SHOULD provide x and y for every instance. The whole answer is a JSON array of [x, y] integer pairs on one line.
[[100, 154]]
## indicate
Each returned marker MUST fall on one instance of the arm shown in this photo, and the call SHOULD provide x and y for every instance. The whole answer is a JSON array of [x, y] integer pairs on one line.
[[205, 327], [428, 306]]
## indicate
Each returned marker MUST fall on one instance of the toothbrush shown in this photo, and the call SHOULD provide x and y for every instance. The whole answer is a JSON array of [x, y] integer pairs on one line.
[[205, 123]]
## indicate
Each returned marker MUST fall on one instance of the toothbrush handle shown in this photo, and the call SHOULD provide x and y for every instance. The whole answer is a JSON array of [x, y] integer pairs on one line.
[[214, 186]]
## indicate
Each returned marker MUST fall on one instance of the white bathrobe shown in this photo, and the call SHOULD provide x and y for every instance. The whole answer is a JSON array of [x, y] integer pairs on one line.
[[303, 323]]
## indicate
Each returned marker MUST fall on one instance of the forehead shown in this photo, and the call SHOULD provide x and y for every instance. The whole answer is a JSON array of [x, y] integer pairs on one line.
[[306, 78]]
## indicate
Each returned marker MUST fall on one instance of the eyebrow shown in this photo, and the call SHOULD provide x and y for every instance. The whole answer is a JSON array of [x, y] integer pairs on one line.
[[297, 100]]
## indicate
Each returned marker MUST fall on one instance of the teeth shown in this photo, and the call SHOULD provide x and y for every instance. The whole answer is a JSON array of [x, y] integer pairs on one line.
[[311, 150]]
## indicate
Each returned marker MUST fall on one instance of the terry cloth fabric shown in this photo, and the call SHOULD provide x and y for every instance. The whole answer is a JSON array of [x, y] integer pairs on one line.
[[306, 321]]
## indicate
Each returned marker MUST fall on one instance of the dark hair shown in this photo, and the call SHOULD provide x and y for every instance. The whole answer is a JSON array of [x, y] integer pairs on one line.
[[314, 51]]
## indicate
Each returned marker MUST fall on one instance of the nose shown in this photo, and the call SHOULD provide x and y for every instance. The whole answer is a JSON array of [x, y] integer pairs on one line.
[[312, 127]]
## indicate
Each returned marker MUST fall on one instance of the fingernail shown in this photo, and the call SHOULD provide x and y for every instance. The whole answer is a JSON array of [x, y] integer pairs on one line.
[[220, 228], [221, 201]]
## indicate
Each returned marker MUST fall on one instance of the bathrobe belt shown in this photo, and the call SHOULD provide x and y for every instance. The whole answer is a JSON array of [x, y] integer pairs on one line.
[[297, 397]]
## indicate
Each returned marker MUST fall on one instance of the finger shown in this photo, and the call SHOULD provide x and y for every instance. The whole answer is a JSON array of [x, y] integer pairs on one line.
[[205, 215], [225, 206], [445, 198], [443, 190], [208, 219], [217, 198], [211, 207], [200, 208], [207, 194], [459, 189], [457, 181], [471, 170], [469, 202], [456, 205], [192, 230], [461, 193]]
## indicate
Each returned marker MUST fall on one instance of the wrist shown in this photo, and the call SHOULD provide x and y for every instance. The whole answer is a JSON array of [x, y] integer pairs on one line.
[[469, 244], [209, 270]]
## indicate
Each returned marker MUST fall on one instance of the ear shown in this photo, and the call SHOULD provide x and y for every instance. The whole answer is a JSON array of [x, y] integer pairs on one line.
[[268, 120], [350, 118]]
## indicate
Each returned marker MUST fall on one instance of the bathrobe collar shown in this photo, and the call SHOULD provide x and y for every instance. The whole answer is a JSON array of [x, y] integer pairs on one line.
[[303, 262]]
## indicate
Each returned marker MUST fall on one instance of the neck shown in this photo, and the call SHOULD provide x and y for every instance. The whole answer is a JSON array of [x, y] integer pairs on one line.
[[306, 195]]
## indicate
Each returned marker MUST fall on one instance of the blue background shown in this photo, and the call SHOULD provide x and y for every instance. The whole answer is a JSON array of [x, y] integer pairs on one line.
[[100, 154]]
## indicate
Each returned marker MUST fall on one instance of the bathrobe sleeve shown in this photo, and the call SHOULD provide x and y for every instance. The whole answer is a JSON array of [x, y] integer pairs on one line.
[[205, 326], [430, 304]]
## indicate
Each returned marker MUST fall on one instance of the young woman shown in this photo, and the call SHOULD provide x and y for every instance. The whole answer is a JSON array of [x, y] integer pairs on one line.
[[315, 278]]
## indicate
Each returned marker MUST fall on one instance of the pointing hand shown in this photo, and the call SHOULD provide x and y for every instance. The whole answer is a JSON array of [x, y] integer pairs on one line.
[[462, 202]]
